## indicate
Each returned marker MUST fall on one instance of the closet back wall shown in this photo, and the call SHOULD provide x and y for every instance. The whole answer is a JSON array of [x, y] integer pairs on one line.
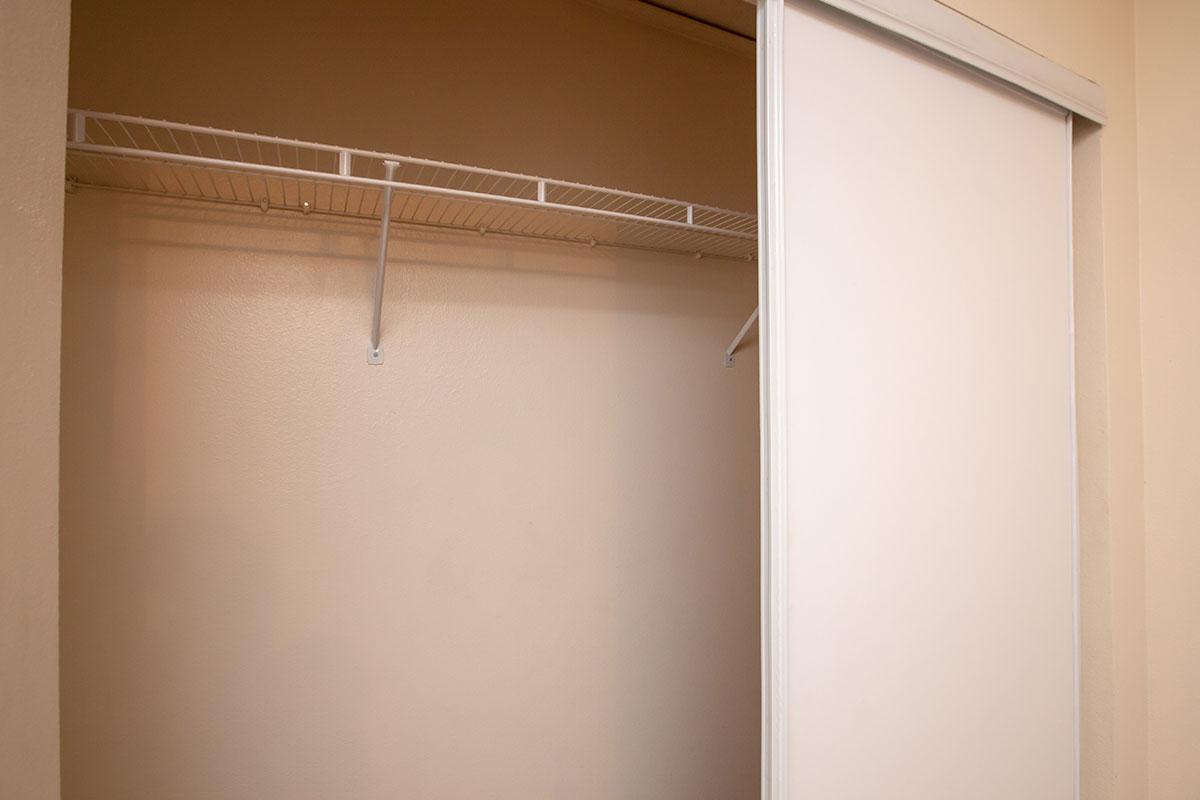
[[518, 560]]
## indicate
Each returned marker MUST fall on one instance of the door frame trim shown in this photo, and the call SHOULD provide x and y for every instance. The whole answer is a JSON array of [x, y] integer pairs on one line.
[[772, 401]]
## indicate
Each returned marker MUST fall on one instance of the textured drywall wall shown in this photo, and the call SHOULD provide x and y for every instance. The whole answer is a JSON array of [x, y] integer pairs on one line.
[[1095, 38], [520, 559], [1168, 64], [33, 90]]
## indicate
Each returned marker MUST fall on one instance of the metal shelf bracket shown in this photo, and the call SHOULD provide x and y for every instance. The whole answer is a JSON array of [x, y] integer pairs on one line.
[[737, 340], [375, 354]]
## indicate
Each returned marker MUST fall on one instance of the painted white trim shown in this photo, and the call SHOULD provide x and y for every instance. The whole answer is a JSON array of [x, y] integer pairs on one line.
[[1073, 427], [772, 399], [957, 36]]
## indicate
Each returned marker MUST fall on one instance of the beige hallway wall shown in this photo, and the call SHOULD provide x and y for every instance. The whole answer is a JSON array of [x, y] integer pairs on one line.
[[1168, 66], [33, 88], [518, 560]]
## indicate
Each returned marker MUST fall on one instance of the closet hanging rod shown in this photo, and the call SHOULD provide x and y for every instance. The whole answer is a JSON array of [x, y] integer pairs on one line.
[[737, 340], [224, 164], [197, 162], [83, 114], [739, 224]]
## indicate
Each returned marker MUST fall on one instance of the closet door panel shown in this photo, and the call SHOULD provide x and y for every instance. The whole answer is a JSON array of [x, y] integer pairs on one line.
[[930, 482]]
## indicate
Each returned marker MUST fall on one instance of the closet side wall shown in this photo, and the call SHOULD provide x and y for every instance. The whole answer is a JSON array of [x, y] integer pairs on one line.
[[519, 559], [33, 88]]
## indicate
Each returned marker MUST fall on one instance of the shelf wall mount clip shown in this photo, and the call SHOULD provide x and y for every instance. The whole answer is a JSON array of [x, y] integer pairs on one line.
[[375, 353]]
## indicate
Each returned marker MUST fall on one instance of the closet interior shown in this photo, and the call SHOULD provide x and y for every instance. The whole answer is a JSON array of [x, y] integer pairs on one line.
[[410, 401]]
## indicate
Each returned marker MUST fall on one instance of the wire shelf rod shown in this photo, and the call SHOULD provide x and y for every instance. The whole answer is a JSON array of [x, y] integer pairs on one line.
[[381, 156], [227, 165], [362, 218]]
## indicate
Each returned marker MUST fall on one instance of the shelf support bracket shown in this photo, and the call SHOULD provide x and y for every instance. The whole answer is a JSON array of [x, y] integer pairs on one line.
[[737, 340], [375, 354]]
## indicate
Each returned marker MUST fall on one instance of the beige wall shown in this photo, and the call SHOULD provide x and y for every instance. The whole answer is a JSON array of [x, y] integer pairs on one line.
[[520, 559], [33, 86], [1168, 68]]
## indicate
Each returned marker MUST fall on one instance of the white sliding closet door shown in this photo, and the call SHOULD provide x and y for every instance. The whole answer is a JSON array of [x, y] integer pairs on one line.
[[930, 490]]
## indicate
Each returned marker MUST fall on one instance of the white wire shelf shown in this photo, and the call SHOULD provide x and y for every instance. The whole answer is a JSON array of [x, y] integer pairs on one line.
[[136, 154]]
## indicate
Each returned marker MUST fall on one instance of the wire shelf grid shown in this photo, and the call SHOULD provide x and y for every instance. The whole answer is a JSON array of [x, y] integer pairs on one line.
[[188, 161]]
